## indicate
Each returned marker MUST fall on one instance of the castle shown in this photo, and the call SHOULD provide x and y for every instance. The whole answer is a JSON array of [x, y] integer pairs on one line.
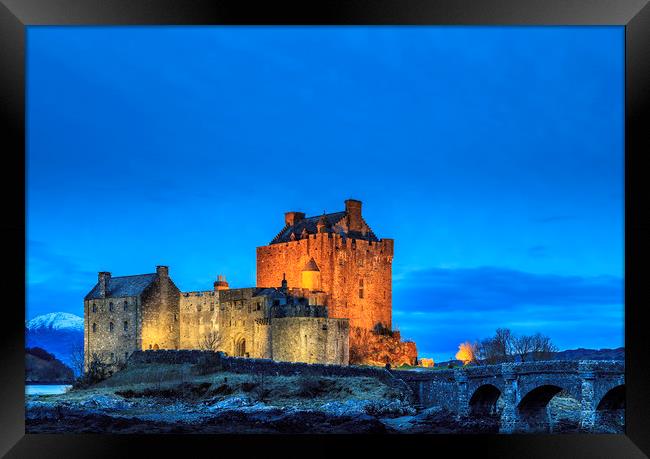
[[323, 295]]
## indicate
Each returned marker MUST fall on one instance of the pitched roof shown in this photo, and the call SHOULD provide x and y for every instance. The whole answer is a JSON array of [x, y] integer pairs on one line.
[[118, 287], [311, 266], [309, 226]]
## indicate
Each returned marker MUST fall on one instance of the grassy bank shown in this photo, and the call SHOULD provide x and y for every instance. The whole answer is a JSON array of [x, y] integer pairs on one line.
[[188, 382]]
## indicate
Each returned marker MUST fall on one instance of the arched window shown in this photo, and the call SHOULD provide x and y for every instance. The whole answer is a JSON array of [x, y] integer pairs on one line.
[[94, 328], [94, 307], [110, 306], [111, 326], [126, 305], [361, 288], [112, 356], [126, 325]]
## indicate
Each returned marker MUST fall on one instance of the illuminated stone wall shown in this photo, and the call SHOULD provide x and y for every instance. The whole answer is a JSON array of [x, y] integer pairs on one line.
[[144, 321], [357, 274], [111, 346], [161, 315], [247, 327], [198, 317], [310, 340]]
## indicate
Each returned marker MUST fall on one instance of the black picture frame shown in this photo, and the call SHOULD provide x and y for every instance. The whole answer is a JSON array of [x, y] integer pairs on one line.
[[15, 15]]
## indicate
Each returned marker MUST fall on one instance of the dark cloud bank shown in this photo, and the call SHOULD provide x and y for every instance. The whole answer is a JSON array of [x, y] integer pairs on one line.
[[439, 308]]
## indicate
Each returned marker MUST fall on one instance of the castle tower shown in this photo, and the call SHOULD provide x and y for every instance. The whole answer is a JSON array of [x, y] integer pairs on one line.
[[350, 264], [310, 276]]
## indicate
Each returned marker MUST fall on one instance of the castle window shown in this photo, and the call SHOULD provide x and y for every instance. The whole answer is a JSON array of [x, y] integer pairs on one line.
[[94, 328], [110, 306], [175, 317], [94, 307], [126, 326], [361, 288], [126, 356], [126, 305], [111, 326], [112, 356], [259, 305], [211, 307]]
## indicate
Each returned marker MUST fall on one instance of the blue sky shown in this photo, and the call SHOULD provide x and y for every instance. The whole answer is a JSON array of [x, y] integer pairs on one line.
[[492, 155]]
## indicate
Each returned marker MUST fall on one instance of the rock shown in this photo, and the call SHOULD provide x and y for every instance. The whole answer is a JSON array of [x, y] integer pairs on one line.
[[105, 402], [230, 403], [389, 409], [347, 408]]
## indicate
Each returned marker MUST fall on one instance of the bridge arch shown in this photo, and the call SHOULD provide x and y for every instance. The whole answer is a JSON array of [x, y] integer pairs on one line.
[[484, 400], [532, 408], [614, 399]]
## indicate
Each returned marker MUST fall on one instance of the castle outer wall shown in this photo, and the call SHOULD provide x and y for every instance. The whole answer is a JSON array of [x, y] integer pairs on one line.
[[246, 326]]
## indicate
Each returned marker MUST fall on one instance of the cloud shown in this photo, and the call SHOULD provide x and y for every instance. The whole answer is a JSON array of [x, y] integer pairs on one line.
[[492, 288], [440, 308]]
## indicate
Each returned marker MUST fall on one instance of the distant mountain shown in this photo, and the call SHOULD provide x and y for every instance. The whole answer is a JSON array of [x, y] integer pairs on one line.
[[569, 354], [591, 354], [57, 332], [42, 367], [56, 321]]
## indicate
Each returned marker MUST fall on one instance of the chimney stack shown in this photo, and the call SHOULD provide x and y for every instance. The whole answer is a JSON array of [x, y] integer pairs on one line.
[[353, 209], [291, 218], [162, 271], [221, 283], [103, 277]]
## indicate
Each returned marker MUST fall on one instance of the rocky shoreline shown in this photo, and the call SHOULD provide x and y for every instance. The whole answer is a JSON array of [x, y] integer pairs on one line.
[[235, 415]]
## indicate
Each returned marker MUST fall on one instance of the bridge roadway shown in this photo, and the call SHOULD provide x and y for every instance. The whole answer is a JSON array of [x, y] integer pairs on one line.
[[525, 389]]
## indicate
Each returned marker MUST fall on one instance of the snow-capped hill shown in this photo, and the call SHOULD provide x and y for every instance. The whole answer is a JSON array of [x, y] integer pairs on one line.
[[59, 333], [56, 321]]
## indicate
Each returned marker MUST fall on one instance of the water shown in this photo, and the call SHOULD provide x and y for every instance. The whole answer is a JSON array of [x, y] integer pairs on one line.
[[46, 389]]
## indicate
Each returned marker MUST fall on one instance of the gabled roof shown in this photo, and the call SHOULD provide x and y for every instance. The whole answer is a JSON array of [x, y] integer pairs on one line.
[[119, 287], [309, 225], [311, 266]]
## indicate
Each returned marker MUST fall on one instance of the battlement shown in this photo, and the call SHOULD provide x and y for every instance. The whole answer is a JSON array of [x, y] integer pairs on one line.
[[198, 294]]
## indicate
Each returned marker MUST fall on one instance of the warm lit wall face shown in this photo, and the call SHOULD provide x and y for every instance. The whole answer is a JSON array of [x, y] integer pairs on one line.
[[311, 340], [161, 316], [310, 280], [356, 274]]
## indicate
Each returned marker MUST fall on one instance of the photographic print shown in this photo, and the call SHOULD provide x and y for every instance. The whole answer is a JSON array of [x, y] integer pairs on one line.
[[325, 229]]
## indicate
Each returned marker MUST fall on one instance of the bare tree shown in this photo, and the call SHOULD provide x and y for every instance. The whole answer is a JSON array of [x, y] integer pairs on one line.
[[542, 347], [497, 349], [211, 341], [522, 347], [504, 346], [77, 358]]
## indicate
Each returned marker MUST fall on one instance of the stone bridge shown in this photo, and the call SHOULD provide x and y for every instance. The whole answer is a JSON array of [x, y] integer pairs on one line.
[[523, 390]]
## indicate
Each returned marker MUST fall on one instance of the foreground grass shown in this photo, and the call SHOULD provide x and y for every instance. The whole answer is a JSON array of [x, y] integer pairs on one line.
[[184, 382]]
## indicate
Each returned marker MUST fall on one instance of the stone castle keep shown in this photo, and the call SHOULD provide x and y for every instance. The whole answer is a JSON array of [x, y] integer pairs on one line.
[[323, 295]]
